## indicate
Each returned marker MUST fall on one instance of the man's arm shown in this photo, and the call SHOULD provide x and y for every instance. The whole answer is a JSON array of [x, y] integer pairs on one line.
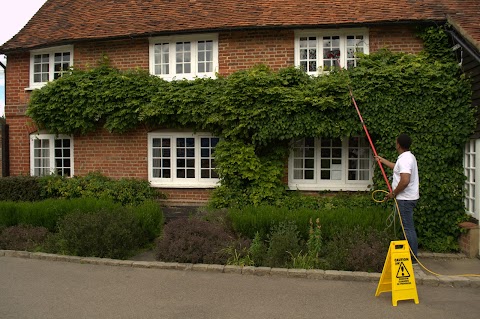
[[385, 162], [402, 184]]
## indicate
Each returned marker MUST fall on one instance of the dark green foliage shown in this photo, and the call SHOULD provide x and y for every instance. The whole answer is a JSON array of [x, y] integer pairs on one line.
[[101, 233], [283, 242], [357, 249], [258, 112], [126, 191], [333, 215], [150, 218], [22, 237], [191, 240], [48, 212], [20, 188]]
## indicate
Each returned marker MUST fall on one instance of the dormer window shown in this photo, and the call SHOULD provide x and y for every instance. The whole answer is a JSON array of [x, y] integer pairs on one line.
[[49, 64], [185, 57]]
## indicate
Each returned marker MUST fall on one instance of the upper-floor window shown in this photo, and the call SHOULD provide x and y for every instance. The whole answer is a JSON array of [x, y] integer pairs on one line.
[[330, 164], [182, 159], [49, 64], [184, 57], [51, 154], [320, 50]]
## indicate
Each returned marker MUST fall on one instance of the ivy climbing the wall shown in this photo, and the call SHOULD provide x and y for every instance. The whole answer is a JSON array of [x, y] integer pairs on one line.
[[258, 112]]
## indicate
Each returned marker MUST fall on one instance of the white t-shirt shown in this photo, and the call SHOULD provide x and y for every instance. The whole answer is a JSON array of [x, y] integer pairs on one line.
[[407, 163]]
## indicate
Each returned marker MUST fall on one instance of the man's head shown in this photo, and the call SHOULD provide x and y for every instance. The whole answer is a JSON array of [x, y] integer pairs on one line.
[[404, 141]]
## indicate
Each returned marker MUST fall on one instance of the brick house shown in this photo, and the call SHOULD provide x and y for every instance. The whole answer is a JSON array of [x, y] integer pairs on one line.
[[180, 39]]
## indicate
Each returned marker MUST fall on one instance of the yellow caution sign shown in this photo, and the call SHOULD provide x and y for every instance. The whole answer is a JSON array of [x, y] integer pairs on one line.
[[397, 275]]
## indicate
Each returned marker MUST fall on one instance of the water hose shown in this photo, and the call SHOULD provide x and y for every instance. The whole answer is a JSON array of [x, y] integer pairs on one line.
[[336, 55], [405, 236]]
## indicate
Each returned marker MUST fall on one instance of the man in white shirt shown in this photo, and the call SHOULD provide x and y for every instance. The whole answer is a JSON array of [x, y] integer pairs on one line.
[[405, 187]]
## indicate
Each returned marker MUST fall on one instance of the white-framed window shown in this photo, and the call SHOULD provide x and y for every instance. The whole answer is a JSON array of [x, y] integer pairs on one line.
[[330, 164], [470, 163], [184, 57], [182, 159], [317, 51], [49, 64], [51, 154]]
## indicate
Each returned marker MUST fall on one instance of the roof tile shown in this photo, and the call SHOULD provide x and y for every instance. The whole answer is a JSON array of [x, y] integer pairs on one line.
[[62, 21]]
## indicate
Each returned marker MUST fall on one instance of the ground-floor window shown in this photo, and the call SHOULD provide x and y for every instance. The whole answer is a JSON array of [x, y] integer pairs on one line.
[[470, 166], [182, 159], [51, 154], [330, 164]]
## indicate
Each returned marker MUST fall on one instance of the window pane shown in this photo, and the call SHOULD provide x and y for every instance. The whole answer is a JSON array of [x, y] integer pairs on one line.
[[309, 174], [308, 54]]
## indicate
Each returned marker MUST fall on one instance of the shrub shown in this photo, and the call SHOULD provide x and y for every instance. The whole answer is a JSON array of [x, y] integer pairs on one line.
[[283, 242], [20, 188], [22, 237], [101, 233], [191, 240], [251, 219], [126, 191], [357, 249], [46, 213], [150, 218], [258, 250]]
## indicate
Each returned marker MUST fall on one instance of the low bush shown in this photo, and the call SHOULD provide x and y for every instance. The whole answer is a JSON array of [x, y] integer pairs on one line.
[[283, 243], [48, 212], [251, 219], [20, 188], [357, 249], [101, 233], [22, 237], [191, 240], [126, 191], [150, 218]]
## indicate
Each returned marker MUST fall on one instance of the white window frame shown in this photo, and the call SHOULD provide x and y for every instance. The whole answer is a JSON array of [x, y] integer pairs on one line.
[[471, 163], [52, 156], [319, 34], [171, 42], [173, 181], [317, 184], [51, 62]]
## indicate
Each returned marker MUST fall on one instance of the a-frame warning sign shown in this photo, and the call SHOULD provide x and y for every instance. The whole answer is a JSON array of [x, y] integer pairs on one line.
[[397, 275]]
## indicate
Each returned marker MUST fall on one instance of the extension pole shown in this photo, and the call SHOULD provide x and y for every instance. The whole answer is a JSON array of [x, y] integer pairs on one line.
[[370, 140], [337, 57]]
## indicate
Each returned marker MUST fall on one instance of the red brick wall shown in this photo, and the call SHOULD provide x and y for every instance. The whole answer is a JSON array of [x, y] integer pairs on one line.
[[113, 155], [397, 39], [122, 54], [238, 50], [185, 197], [126, 155]]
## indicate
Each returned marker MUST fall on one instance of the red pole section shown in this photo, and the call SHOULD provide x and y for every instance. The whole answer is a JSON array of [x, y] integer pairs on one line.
[[370, 140], [336, 55]]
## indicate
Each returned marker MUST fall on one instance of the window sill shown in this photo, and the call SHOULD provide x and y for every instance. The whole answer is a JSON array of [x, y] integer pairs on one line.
[[29, 89], [344, 187], [186, 185]]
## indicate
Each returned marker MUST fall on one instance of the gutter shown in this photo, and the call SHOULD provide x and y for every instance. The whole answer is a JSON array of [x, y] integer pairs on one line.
[[465, 45]]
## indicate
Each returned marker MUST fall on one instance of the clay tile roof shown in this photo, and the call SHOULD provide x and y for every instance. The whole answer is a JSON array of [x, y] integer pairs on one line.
[[466, 20], [68, 21]]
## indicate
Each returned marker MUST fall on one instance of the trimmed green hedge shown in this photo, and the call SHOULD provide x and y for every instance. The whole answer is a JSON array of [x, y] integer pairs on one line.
[[47, 213]]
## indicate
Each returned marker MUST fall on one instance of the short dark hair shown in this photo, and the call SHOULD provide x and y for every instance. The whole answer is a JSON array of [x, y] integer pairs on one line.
[[404, 141]]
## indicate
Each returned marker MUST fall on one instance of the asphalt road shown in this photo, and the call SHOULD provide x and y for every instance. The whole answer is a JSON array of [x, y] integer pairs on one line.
[[31, 288]]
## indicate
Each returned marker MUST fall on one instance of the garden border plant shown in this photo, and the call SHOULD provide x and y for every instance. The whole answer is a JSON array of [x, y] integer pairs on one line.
[[258, 112]]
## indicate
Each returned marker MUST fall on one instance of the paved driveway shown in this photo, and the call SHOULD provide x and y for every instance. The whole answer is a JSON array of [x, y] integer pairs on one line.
[[31, 288]]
